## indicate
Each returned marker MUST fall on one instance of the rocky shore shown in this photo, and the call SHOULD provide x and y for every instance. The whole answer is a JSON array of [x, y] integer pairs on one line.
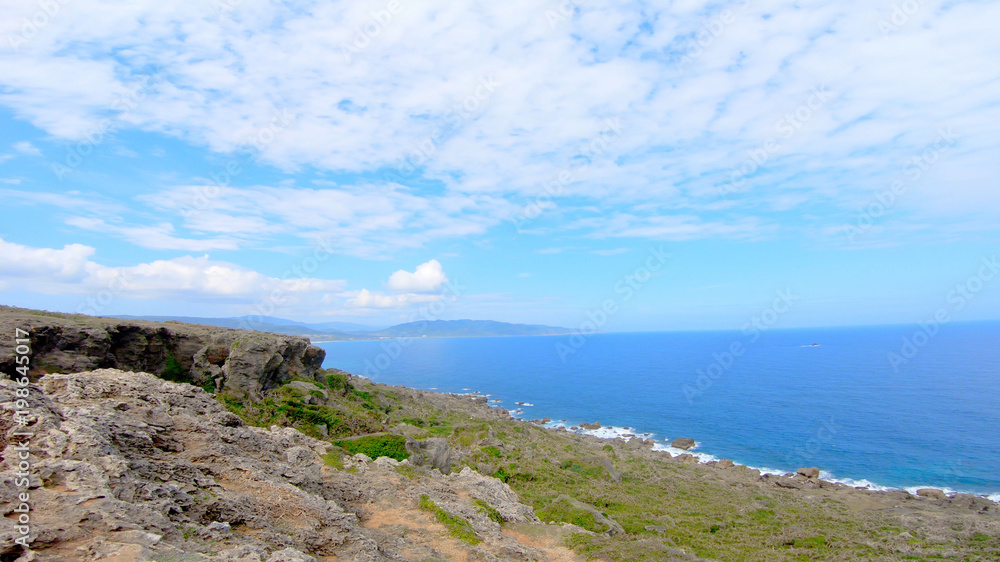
[[249, 453]]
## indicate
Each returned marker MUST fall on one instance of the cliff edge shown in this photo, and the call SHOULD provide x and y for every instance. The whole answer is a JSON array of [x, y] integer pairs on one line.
[[239, 363]]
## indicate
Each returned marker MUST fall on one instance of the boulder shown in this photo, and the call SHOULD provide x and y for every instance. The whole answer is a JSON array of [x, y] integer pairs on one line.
[[811, 472], [496, 494], [595, 425], [434, 453], [726, 463], [683, 443], [932, 493]]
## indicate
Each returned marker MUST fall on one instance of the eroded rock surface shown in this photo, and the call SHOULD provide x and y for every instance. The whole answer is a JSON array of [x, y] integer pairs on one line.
[[237, 362], [127, 466]]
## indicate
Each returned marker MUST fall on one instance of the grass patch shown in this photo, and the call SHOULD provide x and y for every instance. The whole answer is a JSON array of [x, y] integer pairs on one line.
[[494, 515], [457, 526], [562, 511], [392, 446], [334, 459]]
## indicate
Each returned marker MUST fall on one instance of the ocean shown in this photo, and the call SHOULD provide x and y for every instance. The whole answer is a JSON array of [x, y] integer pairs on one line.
[[886, 407]]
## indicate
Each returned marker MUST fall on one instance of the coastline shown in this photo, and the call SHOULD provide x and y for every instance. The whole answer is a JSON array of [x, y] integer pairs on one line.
[[627, 433]]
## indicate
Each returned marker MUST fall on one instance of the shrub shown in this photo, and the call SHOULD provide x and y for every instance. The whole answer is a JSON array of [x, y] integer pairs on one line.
[[392, 446], [173, 371]]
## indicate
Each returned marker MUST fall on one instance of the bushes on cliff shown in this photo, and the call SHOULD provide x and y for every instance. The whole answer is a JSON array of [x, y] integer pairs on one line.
[[392, 446]]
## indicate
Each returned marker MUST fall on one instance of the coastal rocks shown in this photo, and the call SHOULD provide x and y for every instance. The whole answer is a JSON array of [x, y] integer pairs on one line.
[[127, 466], [811, 473], [726, 463], [127, 452], [259, 362], [932, 493], [434, 453], [595, 425], [683, 443], [976, 503]]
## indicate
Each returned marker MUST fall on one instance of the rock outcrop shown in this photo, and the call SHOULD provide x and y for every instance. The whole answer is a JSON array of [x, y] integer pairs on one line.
[[127, 466], [433, 453], [237, 362], [683, 443]]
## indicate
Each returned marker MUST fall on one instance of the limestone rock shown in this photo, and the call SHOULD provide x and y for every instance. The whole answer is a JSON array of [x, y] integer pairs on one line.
[[496, 494], [811, 472], [237, 362], [932, 493], [683, 443], [433, 452], [127, 466]]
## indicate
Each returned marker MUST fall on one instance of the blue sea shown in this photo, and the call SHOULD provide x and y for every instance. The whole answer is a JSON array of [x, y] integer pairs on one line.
[[928, 416]]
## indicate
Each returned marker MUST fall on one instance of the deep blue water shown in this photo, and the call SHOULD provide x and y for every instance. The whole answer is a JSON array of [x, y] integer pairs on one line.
[[840, 406]]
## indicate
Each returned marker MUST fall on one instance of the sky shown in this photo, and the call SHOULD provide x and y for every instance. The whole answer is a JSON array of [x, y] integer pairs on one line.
[[642, 166]]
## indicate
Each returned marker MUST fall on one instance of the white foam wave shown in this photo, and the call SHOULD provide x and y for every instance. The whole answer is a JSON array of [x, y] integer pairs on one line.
[[627, 433]]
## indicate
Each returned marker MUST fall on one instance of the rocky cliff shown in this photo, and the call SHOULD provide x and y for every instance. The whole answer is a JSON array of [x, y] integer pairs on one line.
[[239, 363]]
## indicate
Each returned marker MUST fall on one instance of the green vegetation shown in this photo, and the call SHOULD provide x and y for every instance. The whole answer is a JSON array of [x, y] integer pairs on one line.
[[563, 511], [457, 526], [661, 504], [334, 459], [173, 371], [392, 446], [493, 514]]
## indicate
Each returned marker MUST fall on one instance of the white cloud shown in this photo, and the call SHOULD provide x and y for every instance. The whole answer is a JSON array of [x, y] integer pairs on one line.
[[428, 277], [44, 264], [368, 299], [611, 252], [70, 271], [155, 237], [685, 125], [25, 147]]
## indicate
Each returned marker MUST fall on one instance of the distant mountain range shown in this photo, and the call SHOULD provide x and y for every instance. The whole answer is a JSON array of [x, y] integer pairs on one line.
[[468, 328], [349, 330]]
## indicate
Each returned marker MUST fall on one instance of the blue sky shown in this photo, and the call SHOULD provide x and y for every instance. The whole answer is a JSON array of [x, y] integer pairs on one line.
[[382, 161]]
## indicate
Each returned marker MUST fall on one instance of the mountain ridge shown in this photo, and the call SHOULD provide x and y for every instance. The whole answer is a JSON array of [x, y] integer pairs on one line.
[[347, 330]]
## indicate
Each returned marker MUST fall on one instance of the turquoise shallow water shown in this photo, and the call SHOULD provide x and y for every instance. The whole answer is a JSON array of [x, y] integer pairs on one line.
[[933, 420]]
